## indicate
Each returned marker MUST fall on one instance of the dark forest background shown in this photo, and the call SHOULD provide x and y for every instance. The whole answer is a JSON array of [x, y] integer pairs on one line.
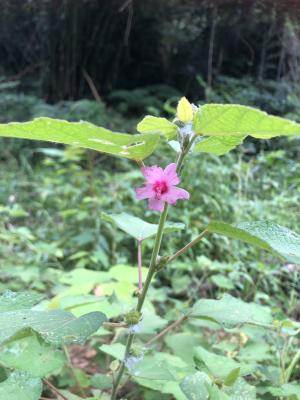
[[55, 47]]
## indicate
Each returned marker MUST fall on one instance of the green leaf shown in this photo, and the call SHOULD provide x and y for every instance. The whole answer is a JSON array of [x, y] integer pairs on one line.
[[194, 386], [21, 386], [220, 366], [33, 355], [241, 390], [83, 134], [57, 327], [237, 120], [266, 235], [158, 125], [125, 273], [218, 145], [138, 228], [231, 312], [11, 301], [116, 350], [286, 390]]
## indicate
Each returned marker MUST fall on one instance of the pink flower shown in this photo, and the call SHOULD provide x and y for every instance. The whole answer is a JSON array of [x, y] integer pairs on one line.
[[161, 187]]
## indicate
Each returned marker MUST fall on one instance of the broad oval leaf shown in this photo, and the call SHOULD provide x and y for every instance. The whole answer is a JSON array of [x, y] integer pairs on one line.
[[57, 327], [21, 386], [151, 124], [230, 312], [33, 355], [218, 145], [266, 235], [83, 134], [237, 120], [138, 228]]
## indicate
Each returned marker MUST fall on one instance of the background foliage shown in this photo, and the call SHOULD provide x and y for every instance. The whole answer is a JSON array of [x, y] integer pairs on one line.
[[111, 62]]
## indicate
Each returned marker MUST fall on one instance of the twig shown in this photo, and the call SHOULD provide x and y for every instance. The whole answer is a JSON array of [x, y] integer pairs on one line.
[[54, 389], [165, 331], [140, 272], [91, 85], [188, 246]]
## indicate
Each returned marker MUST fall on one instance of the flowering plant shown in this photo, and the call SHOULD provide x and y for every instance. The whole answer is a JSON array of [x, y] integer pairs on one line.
[[214, 129]]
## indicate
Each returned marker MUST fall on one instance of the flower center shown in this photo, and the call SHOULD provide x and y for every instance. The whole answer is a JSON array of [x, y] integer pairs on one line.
[[160, 188]]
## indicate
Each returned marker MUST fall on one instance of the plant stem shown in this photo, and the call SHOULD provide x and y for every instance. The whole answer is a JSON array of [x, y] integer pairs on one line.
[[140, 265], [188, 246], [291, 367], [151, 271], [169, 328], [54, 389], [73, 373]]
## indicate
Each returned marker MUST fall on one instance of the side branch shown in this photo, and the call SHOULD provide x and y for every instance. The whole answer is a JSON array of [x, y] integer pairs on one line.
[[188, 246]]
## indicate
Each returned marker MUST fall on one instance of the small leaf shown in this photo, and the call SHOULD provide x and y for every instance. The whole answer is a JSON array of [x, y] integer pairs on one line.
[[266, 235], [138, 228], [21, 386], [152, 124], [83, 134], [232, 376], [236, 120], [184, 110], [231, 312]]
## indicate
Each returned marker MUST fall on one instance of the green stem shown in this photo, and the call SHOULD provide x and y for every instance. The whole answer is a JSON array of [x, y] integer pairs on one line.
[[151, 271], [291, 367]]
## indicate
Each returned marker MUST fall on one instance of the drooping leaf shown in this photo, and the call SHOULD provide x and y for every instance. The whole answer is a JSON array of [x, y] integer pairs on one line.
[[218, 145], [237, 120], [138, 228], [11, 301], [266, 235], [57, 327], [83, 134], [31, 354], [162, 126], [231, 312], [184, 110], [21, 386]]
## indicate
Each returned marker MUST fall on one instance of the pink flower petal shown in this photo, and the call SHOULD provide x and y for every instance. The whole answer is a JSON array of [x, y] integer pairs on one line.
[[145, 192], [156, 205], [174, 194], [170, 174], [152, 174]]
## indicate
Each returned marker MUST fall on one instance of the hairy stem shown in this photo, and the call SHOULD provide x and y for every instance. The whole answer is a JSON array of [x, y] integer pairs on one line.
[[151, 271], [140, 265]]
